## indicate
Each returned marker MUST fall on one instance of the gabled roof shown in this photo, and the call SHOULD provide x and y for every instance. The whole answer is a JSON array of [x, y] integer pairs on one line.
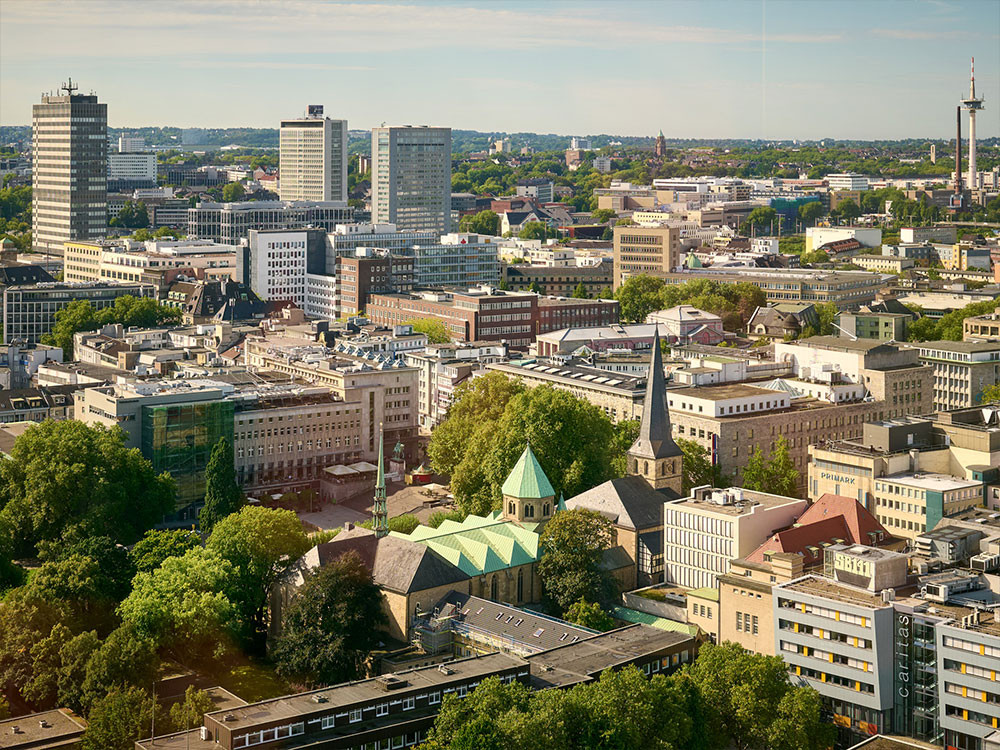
[[526, 480], [831, 519], [628, 502], [655, 440]]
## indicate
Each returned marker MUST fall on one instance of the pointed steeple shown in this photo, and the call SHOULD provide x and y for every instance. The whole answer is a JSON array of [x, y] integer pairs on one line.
[[561, 505], [380, 511], [655, 440]]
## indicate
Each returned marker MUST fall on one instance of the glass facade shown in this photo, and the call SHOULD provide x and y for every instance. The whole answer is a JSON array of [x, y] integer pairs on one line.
[[179, 438]]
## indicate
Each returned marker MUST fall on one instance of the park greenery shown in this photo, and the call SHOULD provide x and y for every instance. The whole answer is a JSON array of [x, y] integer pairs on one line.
[[949, 326], [80, 315], [729, 698], [572, 543]]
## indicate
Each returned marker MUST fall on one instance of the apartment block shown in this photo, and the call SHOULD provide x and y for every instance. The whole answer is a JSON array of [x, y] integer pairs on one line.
[[704, 532], [275, 263], [650, 249], [411, 178], [129, 171], [68, 169], [313, 158], [962, 370]]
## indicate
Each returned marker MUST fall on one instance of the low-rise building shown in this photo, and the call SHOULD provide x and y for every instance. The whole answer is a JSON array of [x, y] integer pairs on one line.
[[559, 280], [883, 263], [982, 327], [125, 260], [230, 222], [686, 324], [57, 729], [817, 237]]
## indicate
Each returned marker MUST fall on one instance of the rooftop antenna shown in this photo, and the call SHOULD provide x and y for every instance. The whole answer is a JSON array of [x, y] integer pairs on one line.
[[69, 88]]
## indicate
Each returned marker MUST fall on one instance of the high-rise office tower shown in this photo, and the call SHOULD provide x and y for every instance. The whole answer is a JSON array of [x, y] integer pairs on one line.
[[313, 158], [411, 178], [69, 198]]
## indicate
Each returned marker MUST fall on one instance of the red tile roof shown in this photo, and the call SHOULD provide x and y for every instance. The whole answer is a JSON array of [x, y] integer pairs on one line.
[[829, 519]]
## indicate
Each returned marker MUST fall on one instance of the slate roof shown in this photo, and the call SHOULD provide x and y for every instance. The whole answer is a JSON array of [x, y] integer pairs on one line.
[[479, 544], [24, 274], [628, 501], [538, 632], [527, 480], [396, 563], [654, 439]]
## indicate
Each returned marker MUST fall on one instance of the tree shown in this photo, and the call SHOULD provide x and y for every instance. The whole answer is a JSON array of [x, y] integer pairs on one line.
[[746, 693], [776, 475], [435, 330], [80, 315], [534, 287], [580, 292], [233, 192], [261, 544], [849, 210], [124, 659], [156, 546], [75, 585], [602, 215], [118, 719], [639, 296], [114, 568], [589, 615], [484, 222], [810, 212], [698, 467], [991, 393], [188, 713], [70, 478], [536, 230], [814, 256], [761, 218], [186, 603], [222, 492], [331, 625], [827, 313], [573, 543]]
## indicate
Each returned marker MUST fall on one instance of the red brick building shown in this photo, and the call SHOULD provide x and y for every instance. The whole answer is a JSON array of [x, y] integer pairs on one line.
[[511, 317]]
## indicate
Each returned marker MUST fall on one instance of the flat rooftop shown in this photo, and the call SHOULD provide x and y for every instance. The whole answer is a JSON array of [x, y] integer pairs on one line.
[[738, 505], [291, 707], [578, 662], [934, 482], [723, 392], [829, 589], [41, 730]]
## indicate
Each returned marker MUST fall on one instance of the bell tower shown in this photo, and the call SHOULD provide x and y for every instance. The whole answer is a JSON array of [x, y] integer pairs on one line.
[[654, 456]]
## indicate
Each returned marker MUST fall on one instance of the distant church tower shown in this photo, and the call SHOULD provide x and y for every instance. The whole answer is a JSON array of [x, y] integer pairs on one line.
[[660, 149], [654, 456], [528, 496]]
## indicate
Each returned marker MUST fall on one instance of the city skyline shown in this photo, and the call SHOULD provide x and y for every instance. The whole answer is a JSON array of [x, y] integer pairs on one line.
[[710, 70]]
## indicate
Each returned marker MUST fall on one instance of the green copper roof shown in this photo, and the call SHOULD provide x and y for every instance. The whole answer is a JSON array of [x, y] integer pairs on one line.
[[479, 544], [644, 618], [706, 592], [527, 480]]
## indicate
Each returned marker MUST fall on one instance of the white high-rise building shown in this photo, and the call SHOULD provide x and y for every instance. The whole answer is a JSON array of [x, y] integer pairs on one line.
[[411, 178], [131, 144], [69, 197], [313, 163]]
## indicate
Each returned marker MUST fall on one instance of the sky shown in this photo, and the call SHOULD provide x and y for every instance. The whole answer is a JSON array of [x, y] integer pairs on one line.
[[806, 69]]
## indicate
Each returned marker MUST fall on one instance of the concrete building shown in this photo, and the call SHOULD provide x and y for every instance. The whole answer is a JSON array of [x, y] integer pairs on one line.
[[57, 729], [636, 337], [817, 237], [29, 312], [982, 328], [313, 158], [129, 171], [68, 169], [883, 263], [275, 263], [704, 532], [871, 322], [538, 188], [411, 178], [909, 504], [19, 362], [229, 223], [844, 288], [358, 278], [124, 260], [962, 370], [846, 181], [651, 249], [618, 396]]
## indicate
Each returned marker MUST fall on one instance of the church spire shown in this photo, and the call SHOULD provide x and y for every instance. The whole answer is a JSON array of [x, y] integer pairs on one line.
[[654, 455], [655, 440], [380, 512]]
